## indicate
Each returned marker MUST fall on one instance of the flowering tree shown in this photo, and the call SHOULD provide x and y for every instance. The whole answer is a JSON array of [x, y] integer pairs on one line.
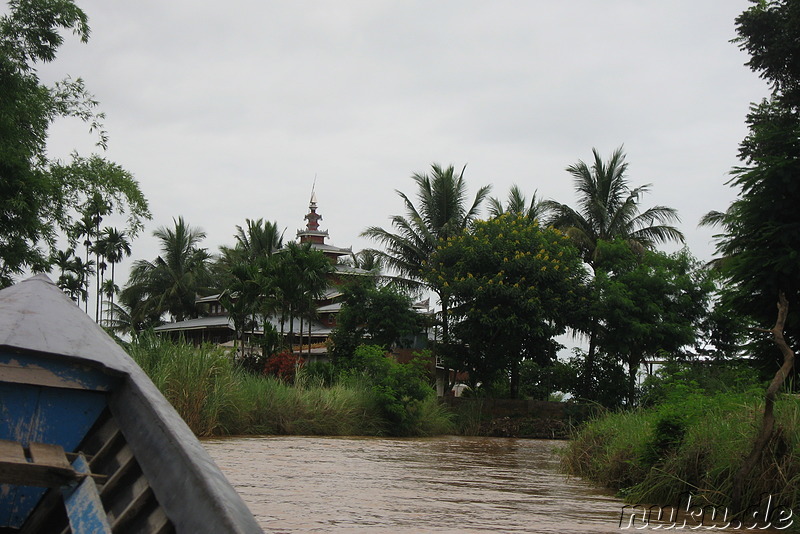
[[514, 286]]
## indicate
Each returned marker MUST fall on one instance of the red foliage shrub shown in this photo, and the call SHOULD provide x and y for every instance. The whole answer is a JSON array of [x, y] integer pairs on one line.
[[283, 365]]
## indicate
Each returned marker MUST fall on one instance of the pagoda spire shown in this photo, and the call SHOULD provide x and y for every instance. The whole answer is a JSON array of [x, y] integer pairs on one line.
[[313, 217], [312, 233]]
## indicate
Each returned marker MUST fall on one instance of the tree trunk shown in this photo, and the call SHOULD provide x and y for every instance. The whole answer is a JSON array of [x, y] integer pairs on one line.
[[588, 367], [514, 387], [291, 330], [301, 335], [111, 309], [768, 421], [633, 368], [448, 385]]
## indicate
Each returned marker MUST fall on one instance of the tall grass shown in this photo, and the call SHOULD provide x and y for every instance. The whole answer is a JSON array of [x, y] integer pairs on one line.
[[215, 397], [200, 382], [694, 444]]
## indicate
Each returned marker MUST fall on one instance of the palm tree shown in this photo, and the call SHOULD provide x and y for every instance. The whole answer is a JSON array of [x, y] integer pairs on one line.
[[93, 211], [122, 322], [315, 269], [608, 209], [69, 275], [83, 272], [299, 275], [517, 204], [730, 223], [109, 289], [64, 260], [367, 260], [71, 285], [113, 245], [259, 239], [171, 282], [84, 228], [442, 212], [239, 274]]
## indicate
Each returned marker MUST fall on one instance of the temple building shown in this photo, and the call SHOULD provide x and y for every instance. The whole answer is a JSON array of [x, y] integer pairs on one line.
[[216, 326]]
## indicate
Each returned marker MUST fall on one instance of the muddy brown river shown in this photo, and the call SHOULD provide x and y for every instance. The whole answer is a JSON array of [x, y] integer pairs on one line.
[[443, 484]]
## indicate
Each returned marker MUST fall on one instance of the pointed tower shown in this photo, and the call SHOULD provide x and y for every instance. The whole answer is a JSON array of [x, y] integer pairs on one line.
[[316, 237], [312, 233]]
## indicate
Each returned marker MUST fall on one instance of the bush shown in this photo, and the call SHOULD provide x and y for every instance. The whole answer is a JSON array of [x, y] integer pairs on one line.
[[283, 365], [402, 391]]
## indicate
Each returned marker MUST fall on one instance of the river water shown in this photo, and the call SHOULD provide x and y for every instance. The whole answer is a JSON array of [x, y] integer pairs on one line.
[[443, 484]]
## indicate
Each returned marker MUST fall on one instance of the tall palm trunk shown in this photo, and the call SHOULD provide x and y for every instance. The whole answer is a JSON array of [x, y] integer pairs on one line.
[[111, 298]]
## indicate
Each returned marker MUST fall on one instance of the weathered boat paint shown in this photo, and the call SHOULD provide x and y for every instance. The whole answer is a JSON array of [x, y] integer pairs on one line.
[[64, 381]]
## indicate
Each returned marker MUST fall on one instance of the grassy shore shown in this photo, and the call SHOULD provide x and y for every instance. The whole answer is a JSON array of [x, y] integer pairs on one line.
[[216, 398], [694, 443]]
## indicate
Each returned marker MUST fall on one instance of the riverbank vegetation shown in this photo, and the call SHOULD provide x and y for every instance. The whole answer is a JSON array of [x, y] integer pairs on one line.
[[733, 446], [216, 397], [693, 435]]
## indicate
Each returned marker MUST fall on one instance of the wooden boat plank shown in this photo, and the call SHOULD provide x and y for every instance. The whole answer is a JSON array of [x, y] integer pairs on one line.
[[84, 507], [47, 415], [118, 468], [22, 369], [150, 519], [11, 452], [138, 500], [48, 466], [47, 454]]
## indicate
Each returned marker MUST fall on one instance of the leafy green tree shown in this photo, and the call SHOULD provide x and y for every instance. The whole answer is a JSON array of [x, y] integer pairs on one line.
[[760, 240], [38, 195], [442, 212], [170, 283], [721, 333], [609, 209], [381, 316], [514, 286], [759, 245], [651, 304]]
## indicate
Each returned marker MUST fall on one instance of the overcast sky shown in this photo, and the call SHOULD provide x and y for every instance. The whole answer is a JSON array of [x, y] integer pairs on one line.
[[229, 110]]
